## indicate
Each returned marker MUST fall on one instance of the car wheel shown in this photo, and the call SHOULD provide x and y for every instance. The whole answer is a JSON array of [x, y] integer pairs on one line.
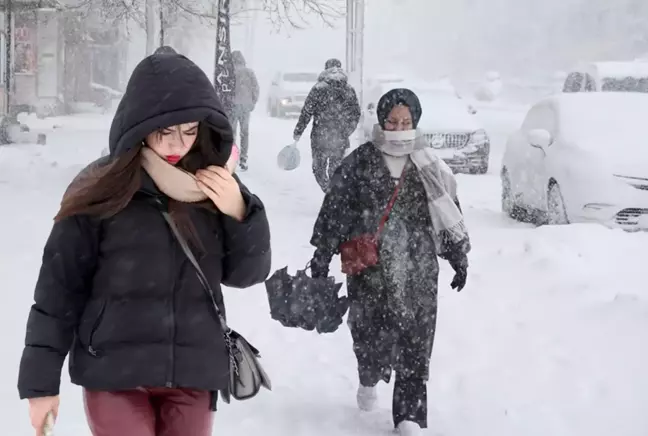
[[482, 168], [556, 210], [507, 195], [509, 207]]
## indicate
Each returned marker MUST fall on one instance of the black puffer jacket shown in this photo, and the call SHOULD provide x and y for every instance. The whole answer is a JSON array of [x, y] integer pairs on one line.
[[119, 294], [333, 105]]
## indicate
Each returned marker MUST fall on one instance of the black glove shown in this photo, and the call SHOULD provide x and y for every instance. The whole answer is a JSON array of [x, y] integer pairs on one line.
[[319, 269], [460, 267]]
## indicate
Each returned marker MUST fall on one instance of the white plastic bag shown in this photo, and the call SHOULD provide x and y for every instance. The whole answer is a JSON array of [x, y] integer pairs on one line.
[[289, 157]]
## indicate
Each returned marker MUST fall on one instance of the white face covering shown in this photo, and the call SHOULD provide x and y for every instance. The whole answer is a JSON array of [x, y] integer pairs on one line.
[[397, 142], [399, 135]]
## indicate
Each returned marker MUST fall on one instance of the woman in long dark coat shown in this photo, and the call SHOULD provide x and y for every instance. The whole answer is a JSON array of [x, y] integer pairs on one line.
[[394, 303]]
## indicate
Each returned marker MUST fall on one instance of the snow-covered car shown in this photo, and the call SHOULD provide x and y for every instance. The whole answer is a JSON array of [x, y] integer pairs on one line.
[[375, 86], [490, 88], [448, 123], [288, 92], [608, 76], [580, 157]]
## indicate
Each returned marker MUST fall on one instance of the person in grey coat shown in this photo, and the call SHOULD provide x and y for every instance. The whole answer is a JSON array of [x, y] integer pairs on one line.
[[393, 310], [246, 96]]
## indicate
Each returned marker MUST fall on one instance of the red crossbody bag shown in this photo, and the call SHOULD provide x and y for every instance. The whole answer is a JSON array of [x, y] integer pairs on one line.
[[361, 252]]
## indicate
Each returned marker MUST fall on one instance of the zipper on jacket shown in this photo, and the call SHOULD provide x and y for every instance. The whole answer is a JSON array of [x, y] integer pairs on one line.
[[170, 376], [94, 352], [170, 383]]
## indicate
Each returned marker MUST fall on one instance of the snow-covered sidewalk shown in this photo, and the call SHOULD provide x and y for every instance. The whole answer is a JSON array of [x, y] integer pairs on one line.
[[548, 338]]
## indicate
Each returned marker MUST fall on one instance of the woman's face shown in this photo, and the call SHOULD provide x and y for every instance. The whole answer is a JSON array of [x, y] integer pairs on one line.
[[400, 118], [173, 143]]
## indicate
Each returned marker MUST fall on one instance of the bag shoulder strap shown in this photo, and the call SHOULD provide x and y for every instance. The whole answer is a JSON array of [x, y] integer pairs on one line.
[[392, 200], [199, 272]]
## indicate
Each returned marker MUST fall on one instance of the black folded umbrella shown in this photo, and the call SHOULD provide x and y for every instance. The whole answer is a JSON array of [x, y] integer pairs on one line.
[[304, 302]]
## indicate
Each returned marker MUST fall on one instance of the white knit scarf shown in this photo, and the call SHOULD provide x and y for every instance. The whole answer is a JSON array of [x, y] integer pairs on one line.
[[441, 189]]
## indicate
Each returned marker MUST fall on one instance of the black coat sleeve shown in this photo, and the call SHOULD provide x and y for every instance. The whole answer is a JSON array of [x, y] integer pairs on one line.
[[457, 252], [334, 222], [248, 256], [62, 289], [353, 111], [308, 111]]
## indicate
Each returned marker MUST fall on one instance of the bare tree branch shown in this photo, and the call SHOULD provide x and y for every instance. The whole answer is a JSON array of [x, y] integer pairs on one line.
[[290, 13]]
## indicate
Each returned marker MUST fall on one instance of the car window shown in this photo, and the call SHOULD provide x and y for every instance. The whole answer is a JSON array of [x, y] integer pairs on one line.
[[627, 84], [590, 85], [574, 82], [300, 77], [541, 116]]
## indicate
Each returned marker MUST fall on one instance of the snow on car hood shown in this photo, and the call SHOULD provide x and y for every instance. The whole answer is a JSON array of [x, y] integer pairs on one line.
[[446, 113]]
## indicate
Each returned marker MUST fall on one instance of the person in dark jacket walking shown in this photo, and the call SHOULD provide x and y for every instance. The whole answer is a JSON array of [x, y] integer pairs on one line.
[[394, 302], [246, 96], [333, 105], [115, 289]]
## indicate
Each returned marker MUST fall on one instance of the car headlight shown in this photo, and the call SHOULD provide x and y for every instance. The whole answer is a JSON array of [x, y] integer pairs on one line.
[[478, 137], [285, 101]]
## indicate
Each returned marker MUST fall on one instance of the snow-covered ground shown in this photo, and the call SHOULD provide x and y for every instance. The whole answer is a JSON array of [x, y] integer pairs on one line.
[[548, 338]]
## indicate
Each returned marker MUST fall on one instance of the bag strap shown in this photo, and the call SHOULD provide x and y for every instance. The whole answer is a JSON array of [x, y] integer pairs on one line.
[[199, 272], [392, 201]]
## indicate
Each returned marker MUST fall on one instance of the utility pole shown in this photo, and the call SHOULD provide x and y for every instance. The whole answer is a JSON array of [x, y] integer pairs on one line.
[[162, 25], [150, 18], [8, 118], [8, 56], [355, 44], [250, 24]]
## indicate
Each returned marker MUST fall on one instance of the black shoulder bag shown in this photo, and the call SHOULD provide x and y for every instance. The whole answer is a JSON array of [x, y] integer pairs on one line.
[[246, 375]]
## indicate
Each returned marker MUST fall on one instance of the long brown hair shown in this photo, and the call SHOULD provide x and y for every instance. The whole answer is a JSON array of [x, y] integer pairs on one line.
[[105, 190]]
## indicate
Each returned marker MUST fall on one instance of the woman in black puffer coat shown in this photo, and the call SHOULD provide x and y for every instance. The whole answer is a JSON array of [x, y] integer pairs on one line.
[[115, 289]]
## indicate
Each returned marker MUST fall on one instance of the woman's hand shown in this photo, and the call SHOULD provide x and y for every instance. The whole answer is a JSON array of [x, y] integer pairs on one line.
[[223, 190], [38, 410]]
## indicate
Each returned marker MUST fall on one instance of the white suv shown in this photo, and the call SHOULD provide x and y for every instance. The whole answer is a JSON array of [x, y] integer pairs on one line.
[[288, 92]]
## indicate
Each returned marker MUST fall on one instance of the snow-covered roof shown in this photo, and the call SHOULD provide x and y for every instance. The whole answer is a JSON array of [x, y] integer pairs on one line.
[[602, 101], [621, 69]]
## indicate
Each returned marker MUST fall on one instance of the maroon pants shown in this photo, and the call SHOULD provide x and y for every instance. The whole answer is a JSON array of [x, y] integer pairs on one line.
[[149, 412]]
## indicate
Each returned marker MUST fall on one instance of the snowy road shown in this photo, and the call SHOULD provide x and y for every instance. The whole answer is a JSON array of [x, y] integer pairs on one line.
[[548, 338]]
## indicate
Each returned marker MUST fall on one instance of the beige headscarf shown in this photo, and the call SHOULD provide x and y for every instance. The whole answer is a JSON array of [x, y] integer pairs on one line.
[[175, 182]]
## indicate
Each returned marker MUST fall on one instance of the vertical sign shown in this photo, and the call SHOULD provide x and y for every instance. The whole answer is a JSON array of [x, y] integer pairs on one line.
[[224, 79]]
